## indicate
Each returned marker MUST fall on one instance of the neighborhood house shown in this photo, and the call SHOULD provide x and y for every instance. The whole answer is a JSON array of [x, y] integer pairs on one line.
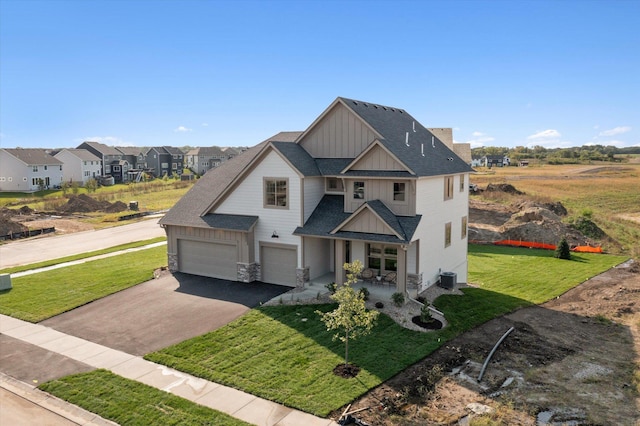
[[363, 181]]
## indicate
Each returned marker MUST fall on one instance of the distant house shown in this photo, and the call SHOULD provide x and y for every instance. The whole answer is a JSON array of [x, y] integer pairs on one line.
[[165, 160], [29, 170], [363, 181], [477, 161], [202, 159], [113, 162], [494, 161], [80, 165]]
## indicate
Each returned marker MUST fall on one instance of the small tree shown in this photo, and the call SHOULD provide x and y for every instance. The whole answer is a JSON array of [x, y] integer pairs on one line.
[[351, 317], [562, 250], [91, 185]]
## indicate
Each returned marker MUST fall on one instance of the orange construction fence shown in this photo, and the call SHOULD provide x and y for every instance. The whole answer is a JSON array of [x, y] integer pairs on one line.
[[545, 246]]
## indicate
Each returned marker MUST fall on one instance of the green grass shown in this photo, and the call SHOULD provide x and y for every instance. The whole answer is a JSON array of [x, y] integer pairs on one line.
[[127, 402], [52, 262], [40, 296], [530, 274], [285, 354]]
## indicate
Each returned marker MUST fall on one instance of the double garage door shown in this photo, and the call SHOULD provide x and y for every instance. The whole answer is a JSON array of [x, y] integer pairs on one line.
[[278, 265], [216, 260]]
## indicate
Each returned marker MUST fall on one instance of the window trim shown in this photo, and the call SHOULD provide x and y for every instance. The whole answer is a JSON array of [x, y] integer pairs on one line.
[[405, 199], [356, 192], [448, 188], [382, 256], [265, 181], [464, 222], [462, 183]]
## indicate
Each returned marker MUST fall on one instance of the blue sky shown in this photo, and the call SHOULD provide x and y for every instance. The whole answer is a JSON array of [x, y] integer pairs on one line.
[[202, 73]]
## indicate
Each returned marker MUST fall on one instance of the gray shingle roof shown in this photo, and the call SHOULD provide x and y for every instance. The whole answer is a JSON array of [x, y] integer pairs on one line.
[[102, 148], [393, 124], [191, 208], [33, 156], [231, 222], [298, 157], [329, 214], [83, 154]]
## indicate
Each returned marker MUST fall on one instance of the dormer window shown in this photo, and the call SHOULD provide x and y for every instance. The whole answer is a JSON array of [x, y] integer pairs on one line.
[[358, 190]]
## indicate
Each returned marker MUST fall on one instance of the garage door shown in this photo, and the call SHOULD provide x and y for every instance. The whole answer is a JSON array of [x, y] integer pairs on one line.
[[216, 260], [278, 265]]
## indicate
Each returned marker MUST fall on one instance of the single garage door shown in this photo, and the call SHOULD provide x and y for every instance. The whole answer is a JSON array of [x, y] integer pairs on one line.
[[216, 260], [278, 265]]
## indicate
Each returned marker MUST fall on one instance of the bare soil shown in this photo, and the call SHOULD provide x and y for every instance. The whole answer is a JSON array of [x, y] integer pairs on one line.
[[569, 361]]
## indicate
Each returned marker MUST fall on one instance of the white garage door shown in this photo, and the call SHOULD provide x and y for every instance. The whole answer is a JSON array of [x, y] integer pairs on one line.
[[216, 260], [278, 265]]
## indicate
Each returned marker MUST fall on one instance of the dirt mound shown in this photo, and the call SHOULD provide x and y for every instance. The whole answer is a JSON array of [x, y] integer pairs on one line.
[[540, 225], [116, 207], [84, 204], [556, 207], [7, 224], [503, 187]]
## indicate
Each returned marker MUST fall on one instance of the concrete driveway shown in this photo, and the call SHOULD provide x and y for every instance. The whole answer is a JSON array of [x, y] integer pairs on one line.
[[162, 312]]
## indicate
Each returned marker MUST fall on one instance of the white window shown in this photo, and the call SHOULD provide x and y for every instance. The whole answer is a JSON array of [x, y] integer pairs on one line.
[[358, 190], [382, 258], [164, 165], [35, 168], [399, 191], [461, 183], [276, 192]]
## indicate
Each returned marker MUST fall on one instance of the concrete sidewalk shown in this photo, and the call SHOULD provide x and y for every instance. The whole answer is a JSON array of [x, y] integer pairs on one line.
[[236, 403]]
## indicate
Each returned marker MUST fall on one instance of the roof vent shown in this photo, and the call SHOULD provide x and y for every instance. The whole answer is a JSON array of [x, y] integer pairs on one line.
[[414, 127], [433, 142], [406, 139], [375, 106], [355, 103], [365, 105], [384, 108], [450, 158], [393, 110], [422, 149]]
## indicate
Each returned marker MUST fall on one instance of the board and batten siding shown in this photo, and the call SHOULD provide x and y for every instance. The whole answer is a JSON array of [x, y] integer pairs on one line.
[[239, 239], [247, 198], [366, 221], [378, 159], [313, 193], [382, 189], [340, 134], [436, 212]]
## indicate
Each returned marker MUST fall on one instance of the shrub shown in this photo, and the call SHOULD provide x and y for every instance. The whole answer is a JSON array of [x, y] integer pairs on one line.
[[398, 299], [425, 313], [332, 287], [364, 292], [562, 250]]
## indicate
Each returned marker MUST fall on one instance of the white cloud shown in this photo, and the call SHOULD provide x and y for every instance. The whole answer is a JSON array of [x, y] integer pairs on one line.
[[615, 131], [616, 143], [479, 139], [205, 124], [549, 134], [182, 129]]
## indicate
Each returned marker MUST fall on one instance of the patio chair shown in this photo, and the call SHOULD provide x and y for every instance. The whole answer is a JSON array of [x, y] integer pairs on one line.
[[390, 278], [367, 275]]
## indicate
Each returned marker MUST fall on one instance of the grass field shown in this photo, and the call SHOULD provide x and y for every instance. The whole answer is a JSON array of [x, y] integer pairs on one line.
[[40, 296], [130, 403], [610, 194], [285, 354]]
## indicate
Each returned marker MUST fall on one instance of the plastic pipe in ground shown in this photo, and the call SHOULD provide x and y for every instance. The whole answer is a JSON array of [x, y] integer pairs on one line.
[[486, 361]]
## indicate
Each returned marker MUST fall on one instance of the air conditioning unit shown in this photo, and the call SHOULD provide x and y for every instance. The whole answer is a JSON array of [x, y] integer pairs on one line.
[[448, 280]]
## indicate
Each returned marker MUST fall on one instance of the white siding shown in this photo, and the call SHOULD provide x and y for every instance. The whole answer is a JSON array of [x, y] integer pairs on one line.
[[72, 170], [317, 256], [313, 192], [12, 172], [247, 199], [434, 256]]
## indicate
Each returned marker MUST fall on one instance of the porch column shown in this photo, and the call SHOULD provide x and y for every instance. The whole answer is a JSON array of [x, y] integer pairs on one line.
[[338, 258], [401, 279]]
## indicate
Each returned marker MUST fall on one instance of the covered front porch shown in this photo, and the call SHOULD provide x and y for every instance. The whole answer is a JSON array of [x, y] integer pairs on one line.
[[377, 289]]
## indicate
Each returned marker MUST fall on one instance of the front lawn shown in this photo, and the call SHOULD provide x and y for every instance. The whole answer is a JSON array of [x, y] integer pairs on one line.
[[40, 296], [128, 402], [285, 354]]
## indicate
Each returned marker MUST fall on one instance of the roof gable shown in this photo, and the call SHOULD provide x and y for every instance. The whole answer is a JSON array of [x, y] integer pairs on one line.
[[376, 157], [367, 220], [33, 156]]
